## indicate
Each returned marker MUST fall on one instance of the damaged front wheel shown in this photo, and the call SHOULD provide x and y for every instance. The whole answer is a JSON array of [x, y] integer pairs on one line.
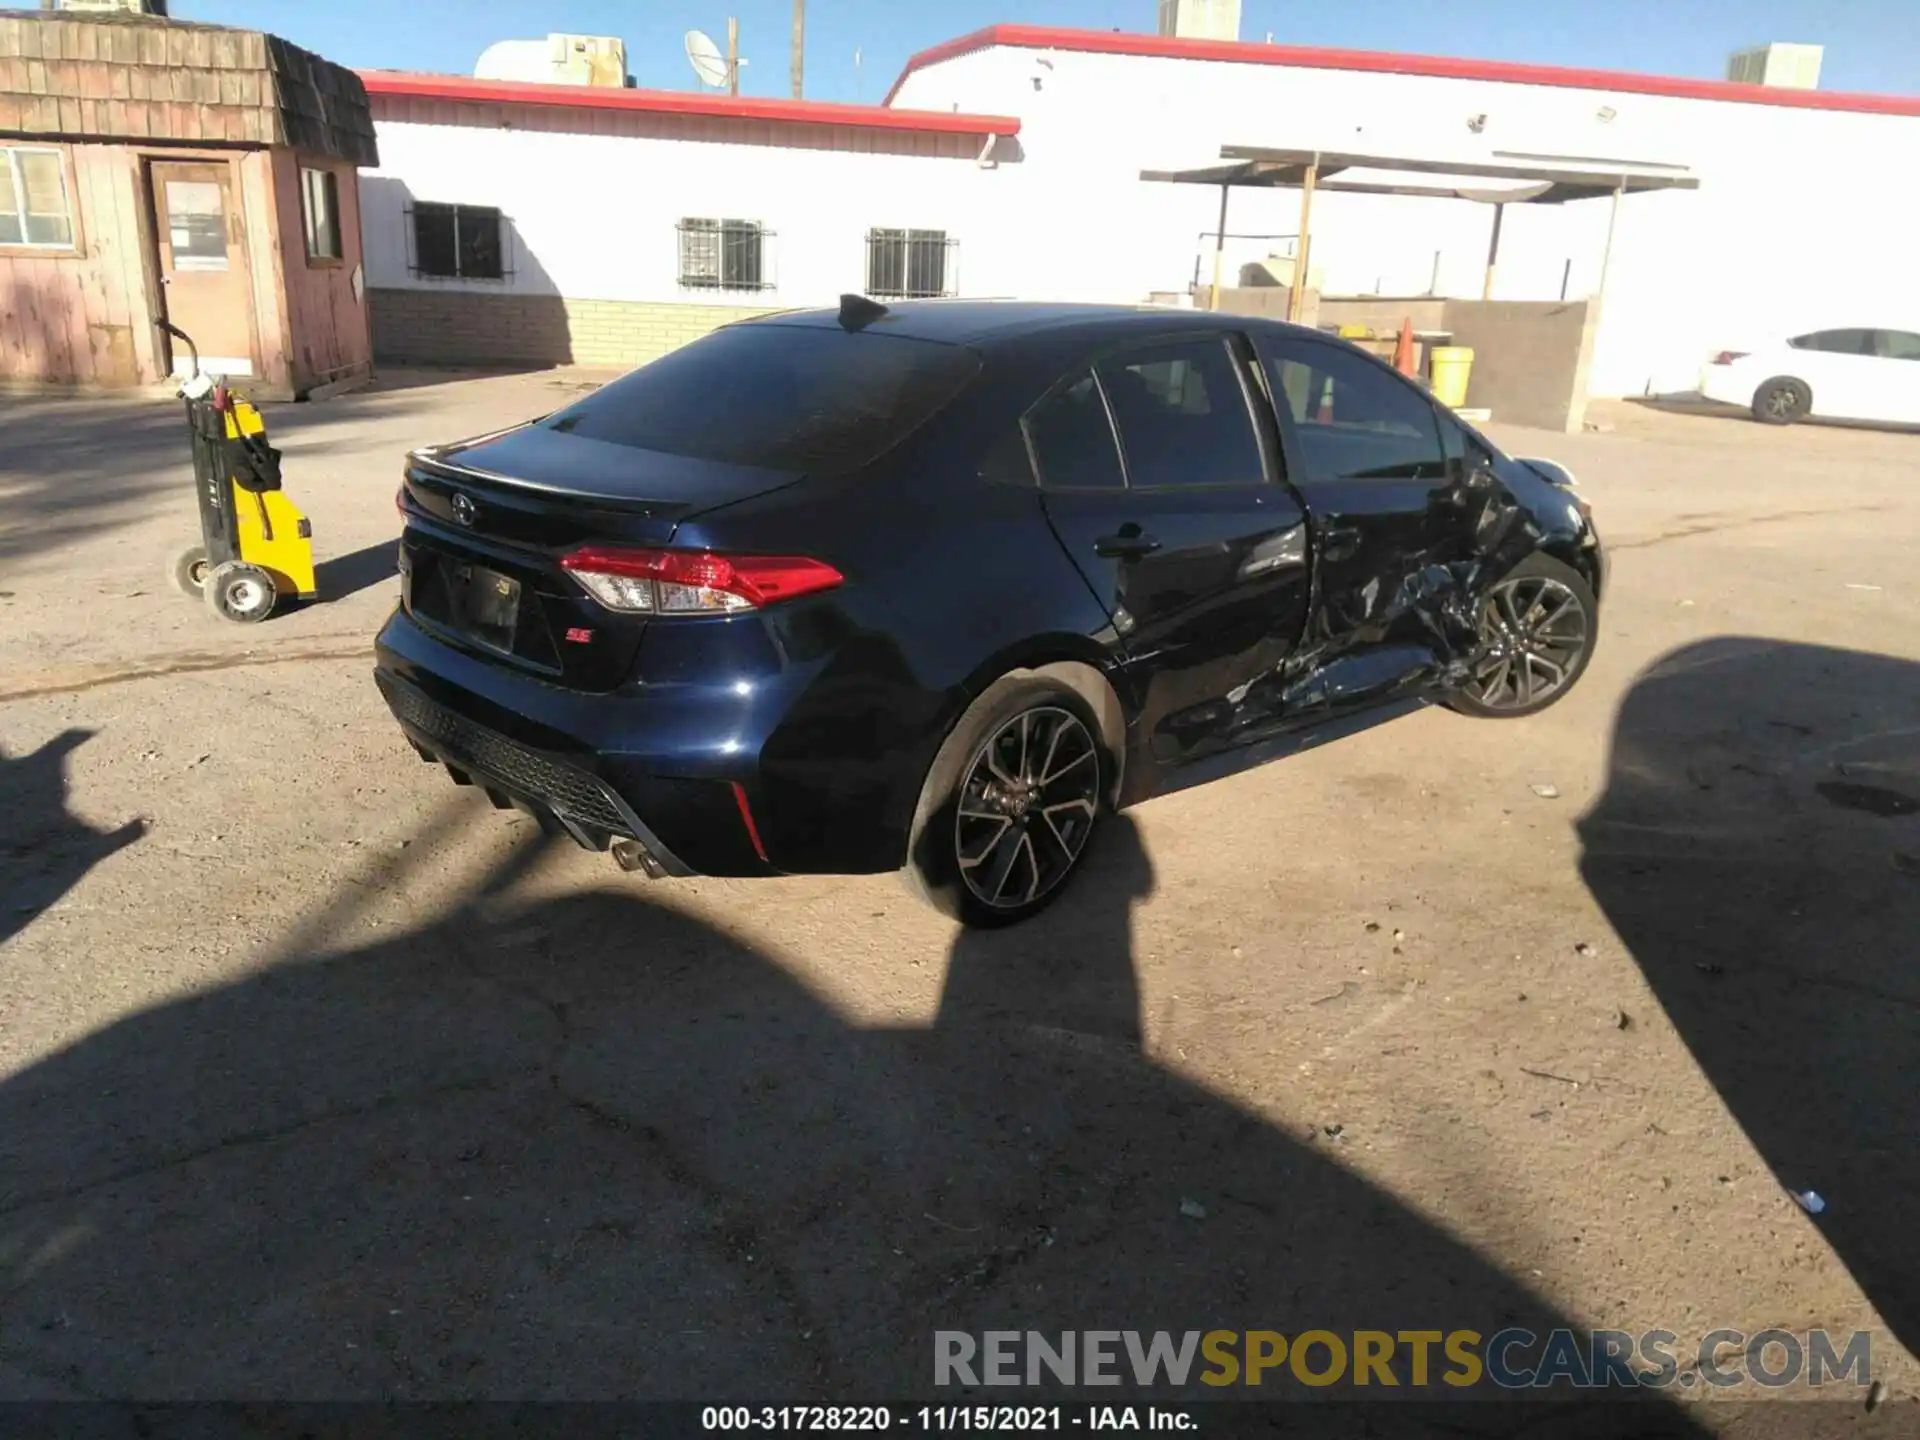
[[1537, 629]]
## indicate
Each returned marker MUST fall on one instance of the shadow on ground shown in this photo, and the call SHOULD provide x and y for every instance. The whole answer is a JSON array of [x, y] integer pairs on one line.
[[1692, 403], [70, 468], [47, 848], [593, 1147], [1758, 850], [392, 378], [345, 575]]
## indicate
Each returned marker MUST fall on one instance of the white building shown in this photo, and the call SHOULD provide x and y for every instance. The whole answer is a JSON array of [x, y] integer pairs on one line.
[[1014, 154], [526, 222], [1800, 219]]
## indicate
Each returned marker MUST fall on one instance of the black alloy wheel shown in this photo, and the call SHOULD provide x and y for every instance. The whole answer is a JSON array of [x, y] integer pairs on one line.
[[1010, 804], [1026, 807], [1537, 629]]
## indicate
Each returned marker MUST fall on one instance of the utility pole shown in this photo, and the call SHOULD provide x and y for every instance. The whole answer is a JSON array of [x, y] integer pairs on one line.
[[799, 43], [733, 55]]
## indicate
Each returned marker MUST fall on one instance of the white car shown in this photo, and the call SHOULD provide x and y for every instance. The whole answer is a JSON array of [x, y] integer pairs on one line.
[[1866, 374]]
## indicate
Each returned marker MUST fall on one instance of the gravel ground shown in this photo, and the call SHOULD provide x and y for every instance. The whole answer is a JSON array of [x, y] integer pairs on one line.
[[320, 1079]]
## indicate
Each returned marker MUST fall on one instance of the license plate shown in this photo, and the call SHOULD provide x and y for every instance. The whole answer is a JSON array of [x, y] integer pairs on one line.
[[486, 604]]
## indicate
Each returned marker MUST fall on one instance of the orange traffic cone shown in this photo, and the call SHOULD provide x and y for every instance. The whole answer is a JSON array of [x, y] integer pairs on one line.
[[1403, 348]]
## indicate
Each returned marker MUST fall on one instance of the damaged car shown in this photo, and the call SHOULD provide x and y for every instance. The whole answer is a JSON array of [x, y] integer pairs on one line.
[[932, 587]]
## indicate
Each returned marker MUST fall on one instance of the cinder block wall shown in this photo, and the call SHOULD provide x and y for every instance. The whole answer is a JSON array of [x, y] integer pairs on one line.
[[462, 327], [1384, 314], [1530, 358]]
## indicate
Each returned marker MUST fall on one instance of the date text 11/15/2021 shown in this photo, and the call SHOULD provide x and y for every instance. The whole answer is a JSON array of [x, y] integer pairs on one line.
[[939, 1419]]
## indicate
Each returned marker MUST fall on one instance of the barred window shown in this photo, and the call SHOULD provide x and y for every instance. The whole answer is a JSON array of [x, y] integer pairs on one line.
[[905, 264], [457, 241], [724, 255], [33, 198]]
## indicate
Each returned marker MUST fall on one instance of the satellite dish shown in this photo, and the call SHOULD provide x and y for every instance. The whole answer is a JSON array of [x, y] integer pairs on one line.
[[707, 61]]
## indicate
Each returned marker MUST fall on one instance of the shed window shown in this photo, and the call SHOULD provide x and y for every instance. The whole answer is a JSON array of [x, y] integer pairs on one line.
[[320, 206], [457, 241], [33, 198], [905, 264], [724, 255]]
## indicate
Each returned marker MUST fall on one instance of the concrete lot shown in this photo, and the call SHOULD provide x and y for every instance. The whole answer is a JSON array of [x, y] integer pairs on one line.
[[319, 1078]]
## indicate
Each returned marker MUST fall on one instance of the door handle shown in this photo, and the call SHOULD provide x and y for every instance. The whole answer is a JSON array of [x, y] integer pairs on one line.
[[1129, 544]]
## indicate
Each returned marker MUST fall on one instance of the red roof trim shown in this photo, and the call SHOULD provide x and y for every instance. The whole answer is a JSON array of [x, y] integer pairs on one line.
[[677, 102], [1105, 42]]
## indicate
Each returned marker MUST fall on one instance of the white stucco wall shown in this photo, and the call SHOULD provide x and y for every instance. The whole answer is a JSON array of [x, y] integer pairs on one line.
[[1800, 220], [593, 216]]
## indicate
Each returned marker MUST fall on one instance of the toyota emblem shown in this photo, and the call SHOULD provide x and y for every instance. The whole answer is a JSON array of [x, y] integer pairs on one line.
[[464, 510]]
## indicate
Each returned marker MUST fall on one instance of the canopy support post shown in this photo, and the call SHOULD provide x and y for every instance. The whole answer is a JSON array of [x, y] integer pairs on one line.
[[1296, 295], [1219, 248], [1493, 252]]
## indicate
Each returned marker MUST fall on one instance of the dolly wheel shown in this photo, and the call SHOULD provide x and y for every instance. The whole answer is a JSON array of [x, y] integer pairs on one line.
[[190, 569], [240, 592]]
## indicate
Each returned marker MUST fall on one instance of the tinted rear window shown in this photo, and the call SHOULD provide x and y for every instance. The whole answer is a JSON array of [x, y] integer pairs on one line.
[[782, 397], [1836, 342]]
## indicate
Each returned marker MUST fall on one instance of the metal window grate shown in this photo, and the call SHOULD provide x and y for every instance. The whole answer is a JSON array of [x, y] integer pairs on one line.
[[725, 255], [911, 264], [457, 242]]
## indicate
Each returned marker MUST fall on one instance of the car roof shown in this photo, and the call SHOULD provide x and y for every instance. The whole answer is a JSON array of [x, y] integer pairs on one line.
[[967, 322]]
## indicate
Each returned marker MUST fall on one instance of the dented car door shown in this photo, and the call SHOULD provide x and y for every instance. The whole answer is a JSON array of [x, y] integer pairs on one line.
[[1407, 524]]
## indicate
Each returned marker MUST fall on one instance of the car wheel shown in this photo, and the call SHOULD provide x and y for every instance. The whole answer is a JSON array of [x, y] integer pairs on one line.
[[1538, 625], [236, 591], [1009, 805], [1781, 401]]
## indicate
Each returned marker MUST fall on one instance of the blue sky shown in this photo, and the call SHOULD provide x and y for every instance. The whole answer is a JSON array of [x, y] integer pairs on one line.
[[1872, 45]]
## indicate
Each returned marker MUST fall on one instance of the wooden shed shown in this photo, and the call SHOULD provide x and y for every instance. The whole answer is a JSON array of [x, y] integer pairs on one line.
[[153, 169]]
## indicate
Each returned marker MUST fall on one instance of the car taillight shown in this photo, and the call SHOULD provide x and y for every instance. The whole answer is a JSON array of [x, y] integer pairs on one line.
[[694, 582], [1727, 357]]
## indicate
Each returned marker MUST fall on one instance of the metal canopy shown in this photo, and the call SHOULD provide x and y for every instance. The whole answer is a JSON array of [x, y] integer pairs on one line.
[[1553, 182], [1533, 180]]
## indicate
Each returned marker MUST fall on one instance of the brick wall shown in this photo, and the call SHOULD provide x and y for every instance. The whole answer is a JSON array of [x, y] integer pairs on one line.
[[464, 327]]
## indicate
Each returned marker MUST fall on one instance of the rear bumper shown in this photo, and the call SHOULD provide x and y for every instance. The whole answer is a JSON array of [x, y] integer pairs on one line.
[[563, 797], [572, 761]]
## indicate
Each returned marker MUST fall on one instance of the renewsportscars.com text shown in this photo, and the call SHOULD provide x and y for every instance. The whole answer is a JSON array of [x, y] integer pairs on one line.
[[1449, 1360]]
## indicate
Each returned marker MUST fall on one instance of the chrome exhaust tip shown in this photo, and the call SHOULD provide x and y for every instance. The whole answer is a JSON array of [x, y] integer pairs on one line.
[[631, 855]]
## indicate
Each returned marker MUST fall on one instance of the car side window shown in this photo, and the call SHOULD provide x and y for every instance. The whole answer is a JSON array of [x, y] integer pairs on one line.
[[1182, 415], [1072, 439], [1007, 461], [1897, 344], [1353, 420], [1836, 342]]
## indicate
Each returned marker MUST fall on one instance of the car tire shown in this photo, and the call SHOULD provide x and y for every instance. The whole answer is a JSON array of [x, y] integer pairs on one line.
[[997, 835], [1538, 619], [1782, 400]]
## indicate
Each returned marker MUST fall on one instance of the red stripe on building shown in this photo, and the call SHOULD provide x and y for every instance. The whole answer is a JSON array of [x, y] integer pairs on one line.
[[675, 102], [1105, 42]]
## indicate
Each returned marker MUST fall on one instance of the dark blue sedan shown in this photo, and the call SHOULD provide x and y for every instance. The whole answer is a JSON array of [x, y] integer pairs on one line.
[[932, 587]]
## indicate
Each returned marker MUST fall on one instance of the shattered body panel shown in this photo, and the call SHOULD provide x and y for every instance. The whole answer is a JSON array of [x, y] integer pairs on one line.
[[1388, 575]]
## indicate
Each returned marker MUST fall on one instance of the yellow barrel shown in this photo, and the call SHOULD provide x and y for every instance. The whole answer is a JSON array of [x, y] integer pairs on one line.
[[1451, 365]]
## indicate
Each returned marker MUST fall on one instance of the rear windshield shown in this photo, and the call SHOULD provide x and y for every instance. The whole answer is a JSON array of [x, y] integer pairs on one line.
[[784, 397]]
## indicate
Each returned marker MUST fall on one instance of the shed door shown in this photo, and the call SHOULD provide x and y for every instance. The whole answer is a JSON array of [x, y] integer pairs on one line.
[[207, 286]]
